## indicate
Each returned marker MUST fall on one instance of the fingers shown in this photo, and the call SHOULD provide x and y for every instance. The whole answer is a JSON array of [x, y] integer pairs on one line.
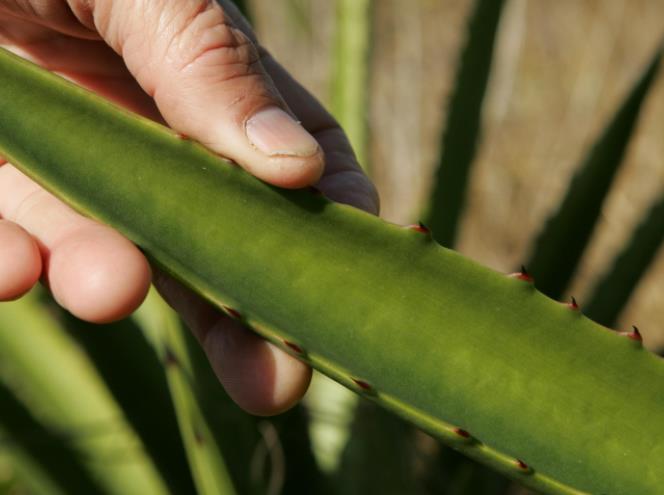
[[259, 377], [92, 270], [208, 82], [343, 180], [55, 15], [20, 261]]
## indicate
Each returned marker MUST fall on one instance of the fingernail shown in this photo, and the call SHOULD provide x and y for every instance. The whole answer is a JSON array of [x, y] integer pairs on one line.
[[274, 132]]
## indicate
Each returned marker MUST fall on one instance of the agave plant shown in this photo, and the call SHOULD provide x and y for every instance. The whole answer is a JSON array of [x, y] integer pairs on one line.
[[483, 361]]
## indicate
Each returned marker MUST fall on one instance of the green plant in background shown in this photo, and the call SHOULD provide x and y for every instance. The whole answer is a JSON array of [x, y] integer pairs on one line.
[[350, 86], [461, 132], [75, 434], [526, 385], [561, 243], [614, 289]]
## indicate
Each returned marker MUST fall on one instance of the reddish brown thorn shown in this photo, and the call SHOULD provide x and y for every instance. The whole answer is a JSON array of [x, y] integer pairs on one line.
[[634, 334], [573, 304], [522, 465], [420, 227], [233, 313], [462, 433], [182, 136], [293, 347], [362, 384], [522, 275]]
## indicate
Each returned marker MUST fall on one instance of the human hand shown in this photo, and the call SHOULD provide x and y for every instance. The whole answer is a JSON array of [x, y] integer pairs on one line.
[[195, 66]]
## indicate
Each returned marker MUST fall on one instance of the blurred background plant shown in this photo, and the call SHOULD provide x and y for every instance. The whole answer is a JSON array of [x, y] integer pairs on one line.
[[489, 108]]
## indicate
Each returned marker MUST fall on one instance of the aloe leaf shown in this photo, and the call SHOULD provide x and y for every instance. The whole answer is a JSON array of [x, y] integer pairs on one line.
[[56, 382], [612, 292], [41, 456], [208, 466], [134, 375], [234, 431], [462, 129], [556, 402], [559, 247], [350, 82]]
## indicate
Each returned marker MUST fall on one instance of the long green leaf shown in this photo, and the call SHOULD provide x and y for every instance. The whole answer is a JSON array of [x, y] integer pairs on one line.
[[56, 382], [350, 73], [133, 373], [462, 129], [44, 458], [612, 292], [556, 401], [234, 431], [205, 459], [559, 247]]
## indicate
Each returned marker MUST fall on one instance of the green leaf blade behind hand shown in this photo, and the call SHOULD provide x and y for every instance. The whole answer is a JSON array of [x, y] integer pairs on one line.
[[559, 247], [614, 289], [462, 129]]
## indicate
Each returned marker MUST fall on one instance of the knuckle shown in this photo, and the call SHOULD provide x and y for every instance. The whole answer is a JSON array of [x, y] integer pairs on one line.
[[27, 204], [208, 41]]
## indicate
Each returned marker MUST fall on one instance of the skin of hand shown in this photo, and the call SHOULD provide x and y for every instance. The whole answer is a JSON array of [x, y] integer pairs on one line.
[[197, 67]]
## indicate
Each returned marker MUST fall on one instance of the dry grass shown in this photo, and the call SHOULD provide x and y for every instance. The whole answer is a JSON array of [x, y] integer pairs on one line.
[[561, 69]]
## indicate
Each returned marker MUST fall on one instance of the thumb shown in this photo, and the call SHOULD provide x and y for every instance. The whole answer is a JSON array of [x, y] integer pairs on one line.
[[208, 82]]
